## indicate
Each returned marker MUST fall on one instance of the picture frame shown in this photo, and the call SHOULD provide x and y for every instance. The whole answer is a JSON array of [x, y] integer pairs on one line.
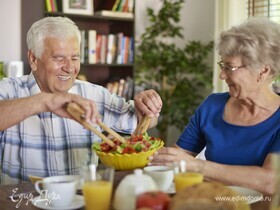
[[81, 7]]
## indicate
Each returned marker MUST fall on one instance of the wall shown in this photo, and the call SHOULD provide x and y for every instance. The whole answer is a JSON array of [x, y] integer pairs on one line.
[[197, 20], [196, 26], [228, 13], [10, 36]]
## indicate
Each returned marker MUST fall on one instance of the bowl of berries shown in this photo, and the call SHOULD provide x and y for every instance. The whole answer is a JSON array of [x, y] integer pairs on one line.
[[128, 155]]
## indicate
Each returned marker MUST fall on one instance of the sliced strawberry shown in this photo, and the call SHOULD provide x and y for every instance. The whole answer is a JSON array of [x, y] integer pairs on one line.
[[128, 150], [105, 147]]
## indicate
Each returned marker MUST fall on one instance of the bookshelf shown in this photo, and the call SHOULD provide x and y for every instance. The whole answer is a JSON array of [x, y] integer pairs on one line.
[[103, 22]]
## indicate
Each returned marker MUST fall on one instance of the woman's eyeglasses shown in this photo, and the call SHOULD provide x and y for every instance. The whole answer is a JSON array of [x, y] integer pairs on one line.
[[227, 67]]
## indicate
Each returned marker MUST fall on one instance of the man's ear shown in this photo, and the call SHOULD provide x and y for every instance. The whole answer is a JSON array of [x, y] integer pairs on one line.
[[32, 60], [264, 73]]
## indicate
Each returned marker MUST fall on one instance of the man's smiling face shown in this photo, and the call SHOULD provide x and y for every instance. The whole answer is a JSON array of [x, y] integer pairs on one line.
[[59, 65]]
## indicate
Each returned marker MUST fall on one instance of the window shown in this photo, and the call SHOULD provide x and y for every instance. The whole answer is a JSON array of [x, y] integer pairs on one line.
[[264, 8]]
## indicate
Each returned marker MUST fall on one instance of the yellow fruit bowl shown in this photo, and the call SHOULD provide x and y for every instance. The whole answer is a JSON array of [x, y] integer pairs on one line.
[[127, 161]]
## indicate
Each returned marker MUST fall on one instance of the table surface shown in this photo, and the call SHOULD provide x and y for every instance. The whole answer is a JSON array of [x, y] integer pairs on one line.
[[29, 192]]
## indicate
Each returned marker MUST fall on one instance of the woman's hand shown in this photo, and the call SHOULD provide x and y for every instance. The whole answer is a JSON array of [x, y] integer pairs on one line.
[[169, 155]]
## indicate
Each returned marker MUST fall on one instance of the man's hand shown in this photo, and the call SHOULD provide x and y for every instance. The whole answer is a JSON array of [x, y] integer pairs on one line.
[[148, 103], [57, 102]]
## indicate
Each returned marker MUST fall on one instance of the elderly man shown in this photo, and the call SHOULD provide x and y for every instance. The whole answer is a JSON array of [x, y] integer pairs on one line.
[[37, 135]]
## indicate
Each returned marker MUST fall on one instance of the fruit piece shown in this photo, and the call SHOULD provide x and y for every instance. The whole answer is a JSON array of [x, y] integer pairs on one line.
[[156, 200]]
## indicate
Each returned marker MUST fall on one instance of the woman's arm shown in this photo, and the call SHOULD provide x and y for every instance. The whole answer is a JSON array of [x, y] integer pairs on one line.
[[259, 178]]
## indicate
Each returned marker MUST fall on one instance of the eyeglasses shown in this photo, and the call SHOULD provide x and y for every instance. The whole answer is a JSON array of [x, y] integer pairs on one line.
[[227, 67]]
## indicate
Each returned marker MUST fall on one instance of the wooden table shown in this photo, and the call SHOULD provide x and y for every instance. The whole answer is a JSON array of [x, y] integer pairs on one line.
[[25, 204]]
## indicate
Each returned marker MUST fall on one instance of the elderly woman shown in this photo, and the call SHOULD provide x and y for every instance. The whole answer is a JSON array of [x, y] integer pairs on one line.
[[240, 128]]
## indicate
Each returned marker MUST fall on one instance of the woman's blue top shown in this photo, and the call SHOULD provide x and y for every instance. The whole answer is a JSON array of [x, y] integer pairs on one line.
[[227, 143]]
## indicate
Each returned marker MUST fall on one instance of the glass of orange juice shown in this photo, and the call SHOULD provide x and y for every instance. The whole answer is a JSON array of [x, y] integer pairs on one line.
[[184, 178], [275, 202], [97, 186]]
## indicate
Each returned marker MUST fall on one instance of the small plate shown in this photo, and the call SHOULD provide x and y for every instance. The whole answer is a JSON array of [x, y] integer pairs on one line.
[[77, 203], [249, 195]]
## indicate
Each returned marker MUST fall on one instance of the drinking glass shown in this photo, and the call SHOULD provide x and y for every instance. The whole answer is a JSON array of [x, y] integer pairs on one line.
[[97, 186], [275, 203], [184, 178]]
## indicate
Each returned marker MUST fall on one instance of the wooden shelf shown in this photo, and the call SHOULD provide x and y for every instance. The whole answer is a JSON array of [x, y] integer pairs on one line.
[[129, 65], [89, 17]]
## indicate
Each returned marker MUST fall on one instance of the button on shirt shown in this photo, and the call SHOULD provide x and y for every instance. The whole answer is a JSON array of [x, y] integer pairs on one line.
[[46, 144]]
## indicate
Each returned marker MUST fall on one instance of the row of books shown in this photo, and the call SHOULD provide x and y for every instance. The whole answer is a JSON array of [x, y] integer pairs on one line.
[[120, 9], [122, 87], [106, 49], [123, 6], [53, 5]]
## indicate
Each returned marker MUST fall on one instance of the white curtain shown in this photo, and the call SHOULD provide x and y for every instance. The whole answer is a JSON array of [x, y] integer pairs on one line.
[[227, 14]]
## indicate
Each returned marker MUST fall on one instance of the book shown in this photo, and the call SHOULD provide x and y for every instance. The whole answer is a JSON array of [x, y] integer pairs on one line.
[[115, 87], [130, 6], [109, 86], [82, 51], [125, 49], [53, 5], [59, 5], [116, 4], [125, 6], [121, 6], [103, 50], [118, 59], [108, 13], [131, 50], [111, 49], [98, 48], [48, 6], [128, 89], [86, 48], [92, 46]]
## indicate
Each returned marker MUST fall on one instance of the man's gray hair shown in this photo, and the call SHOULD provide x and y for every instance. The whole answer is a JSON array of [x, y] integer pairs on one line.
[[50, 27]]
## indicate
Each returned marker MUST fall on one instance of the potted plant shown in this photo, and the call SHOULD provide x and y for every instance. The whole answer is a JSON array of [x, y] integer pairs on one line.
[[276, 85], [181, 75]]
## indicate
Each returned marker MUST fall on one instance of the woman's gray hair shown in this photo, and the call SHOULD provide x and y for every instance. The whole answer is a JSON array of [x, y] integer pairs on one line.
[[50, 27], [257, 42]]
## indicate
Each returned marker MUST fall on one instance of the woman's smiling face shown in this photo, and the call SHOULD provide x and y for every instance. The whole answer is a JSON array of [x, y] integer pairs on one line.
[[59, 65], [241, 82]]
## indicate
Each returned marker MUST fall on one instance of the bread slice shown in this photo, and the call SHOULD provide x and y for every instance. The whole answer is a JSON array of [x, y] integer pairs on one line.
[[207, 196]]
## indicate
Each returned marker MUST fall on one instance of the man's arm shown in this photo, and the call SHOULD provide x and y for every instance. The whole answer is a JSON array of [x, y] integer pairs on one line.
[[14, 111]]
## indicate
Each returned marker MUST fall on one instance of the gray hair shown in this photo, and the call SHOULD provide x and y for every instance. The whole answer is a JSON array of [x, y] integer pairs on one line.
[[257, 42], [50, 27]]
